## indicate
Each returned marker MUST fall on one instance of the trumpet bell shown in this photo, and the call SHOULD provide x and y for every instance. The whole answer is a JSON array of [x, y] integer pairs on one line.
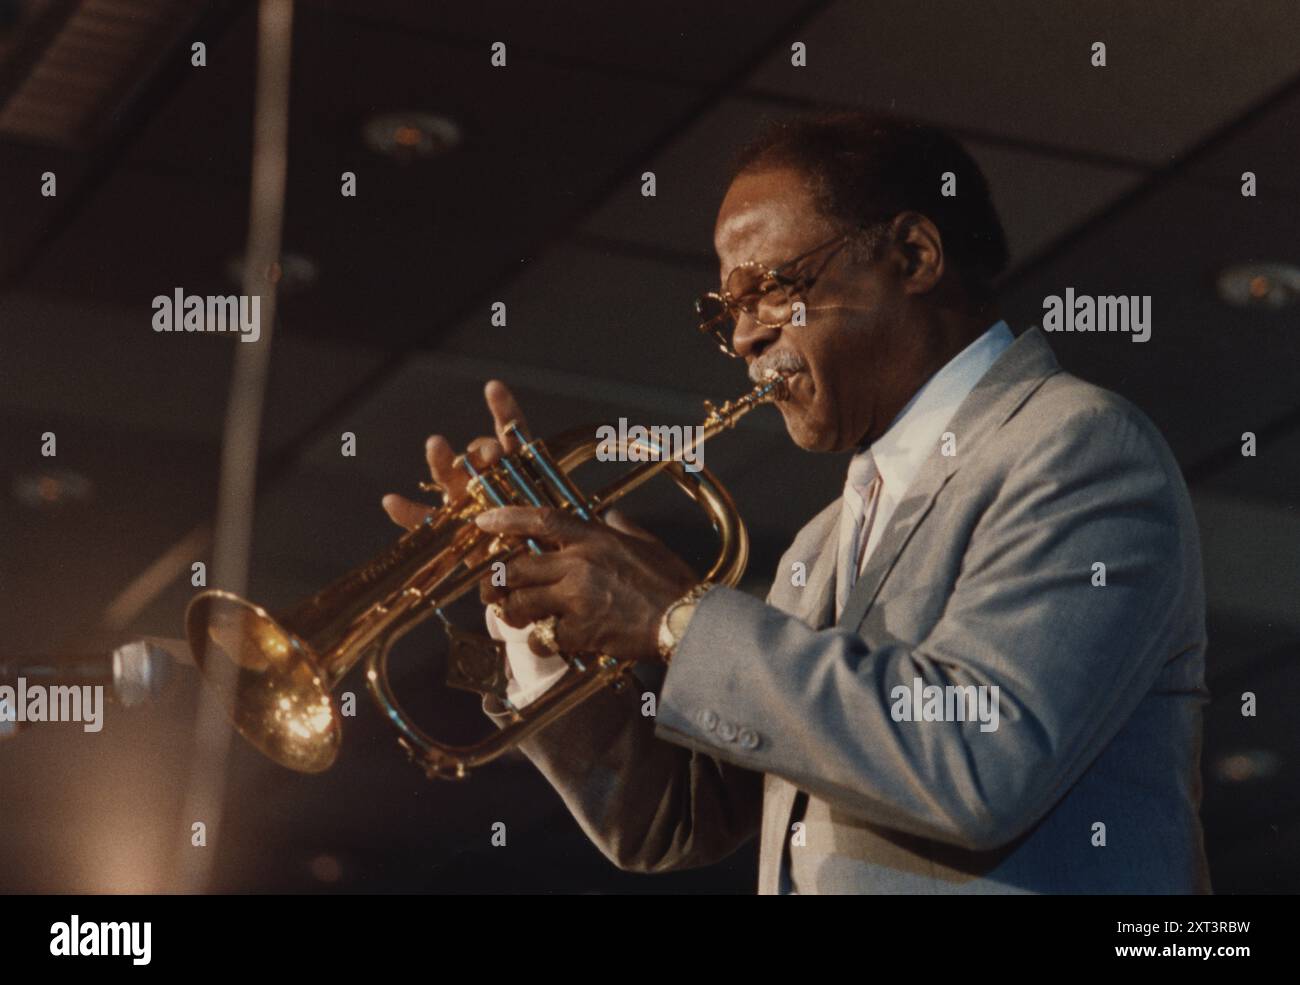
[[268, 679]]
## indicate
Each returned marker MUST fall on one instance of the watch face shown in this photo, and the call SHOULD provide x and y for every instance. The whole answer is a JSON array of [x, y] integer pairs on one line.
[[679, 617]]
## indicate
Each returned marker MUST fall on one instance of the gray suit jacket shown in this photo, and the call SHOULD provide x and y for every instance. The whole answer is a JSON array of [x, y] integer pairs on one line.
[[985, 575]]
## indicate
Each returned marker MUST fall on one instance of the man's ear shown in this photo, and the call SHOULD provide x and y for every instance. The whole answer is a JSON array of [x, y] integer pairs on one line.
[[920, 247]]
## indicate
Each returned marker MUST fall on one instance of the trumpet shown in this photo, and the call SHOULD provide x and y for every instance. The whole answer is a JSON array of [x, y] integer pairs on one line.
[[276, 675]]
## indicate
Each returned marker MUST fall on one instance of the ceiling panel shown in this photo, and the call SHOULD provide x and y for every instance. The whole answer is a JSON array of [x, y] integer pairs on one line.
[[1252, 783], [61, 566], [1037, 195], [1267, 144], [1270, 477], [1209, 371], [677, 39], [26, 211], [1021, 68], [608, 316], [1252, 558], [115, 369], [397, 262]]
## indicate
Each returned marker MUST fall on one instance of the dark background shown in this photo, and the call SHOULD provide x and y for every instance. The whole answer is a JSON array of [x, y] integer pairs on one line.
[[1124, 179]]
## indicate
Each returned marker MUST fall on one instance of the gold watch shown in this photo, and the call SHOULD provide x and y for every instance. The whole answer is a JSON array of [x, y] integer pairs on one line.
[[672, 627]]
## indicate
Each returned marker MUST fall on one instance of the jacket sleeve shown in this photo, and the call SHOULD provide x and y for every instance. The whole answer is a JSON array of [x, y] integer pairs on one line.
[[647, 804], [1071, 660]]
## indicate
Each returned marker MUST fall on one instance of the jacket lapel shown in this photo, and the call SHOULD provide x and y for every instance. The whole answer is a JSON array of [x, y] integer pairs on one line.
[[1009, 382], [909, 514]]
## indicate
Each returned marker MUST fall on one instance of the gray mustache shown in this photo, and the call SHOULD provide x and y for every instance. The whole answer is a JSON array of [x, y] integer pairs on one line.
[[783, 362]]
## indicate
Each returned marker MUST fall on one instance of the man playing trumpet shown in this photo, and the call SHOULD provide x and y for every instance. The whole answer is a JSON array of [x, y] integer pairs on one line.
[[1006, 533]]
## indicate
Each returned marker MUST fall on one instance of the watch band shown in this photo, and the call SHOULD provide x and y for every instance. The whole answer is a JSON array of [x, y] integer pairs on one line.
[[667, 639]]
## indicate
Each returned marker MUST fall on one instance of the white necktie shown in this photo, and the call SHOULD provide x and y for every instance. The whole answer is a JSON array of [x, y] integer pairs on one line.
[[861, 497]]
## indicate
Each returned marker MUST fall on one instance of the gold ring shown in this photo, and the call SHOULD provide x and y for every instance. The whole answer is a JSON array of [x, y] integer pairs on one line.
[[544, 635]]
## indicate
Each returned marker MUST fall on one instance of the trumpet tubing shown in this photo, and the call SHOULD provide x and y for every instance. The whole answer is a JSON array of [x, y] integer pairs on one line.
[[276, 674]]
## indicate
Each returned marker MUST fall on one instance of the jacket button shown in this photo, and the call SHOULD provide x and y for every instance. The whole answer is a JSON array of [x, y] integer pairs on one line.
[[708, 720], [749, 738], [727, 731]]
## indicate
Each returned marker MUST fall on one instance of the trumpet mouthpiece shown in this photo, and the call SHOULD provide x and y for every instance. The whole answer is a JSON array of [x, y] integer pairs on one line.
[[778, 385]]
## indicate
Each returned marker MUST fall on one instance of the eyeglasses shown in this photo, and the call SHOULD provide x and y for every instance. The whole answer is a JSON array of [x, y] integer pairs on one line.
[[766, 294]]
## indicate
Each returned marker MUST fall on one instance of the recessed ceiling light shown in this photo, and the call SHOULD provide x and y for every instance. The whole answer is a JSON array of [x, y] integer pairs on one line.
[[1242, 767], [410, 135], [51, 488], [1260, 285], [326, 868]]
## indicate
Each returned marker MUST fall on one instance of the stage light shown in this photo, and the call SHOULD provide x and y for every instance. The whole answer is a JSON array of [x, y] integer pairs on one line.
[[1260, 285], [52, 488], [326, 868], [1243, 767], [408, 136]]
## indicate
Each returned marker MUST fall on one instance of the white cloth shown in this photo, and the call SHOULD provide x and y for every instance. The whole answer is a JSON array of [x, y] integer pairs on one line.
[[898, 455], [531, 676]]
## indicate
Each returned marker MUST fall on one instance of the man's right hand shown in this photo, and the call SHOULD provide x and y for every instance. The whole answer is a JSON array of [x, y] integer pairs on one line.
[[532, 672], [483, 452]]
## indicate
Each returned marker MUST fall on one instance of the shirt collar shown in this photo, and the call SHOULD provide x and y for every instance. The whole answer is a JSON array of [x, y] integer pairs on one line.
[[901, 451]]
